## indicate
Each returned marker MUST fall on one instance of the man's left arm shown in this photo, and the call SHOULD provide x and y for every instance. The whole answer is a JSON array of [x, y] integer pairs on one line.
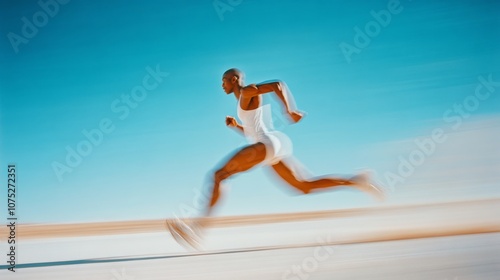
[[278, 89]]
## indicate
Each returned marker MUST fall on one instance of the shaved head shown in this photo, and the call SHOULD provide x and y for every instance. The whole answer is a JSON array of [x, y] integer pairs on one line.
[[235, 72], [232, 80]]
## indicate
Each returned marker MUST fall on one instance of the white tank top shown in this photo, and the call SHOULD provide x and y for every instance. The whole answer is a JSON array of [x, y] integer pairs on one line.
[[256, 123]]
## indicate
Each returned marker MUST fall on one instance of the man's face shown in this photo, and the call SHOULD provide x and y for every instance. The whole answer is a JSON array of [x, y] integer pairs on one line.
[[228, 83]]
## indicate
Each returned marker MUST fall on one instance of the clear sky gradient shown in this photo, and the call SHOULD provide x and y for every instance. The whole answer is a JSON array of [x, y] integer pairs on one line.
[[73, 72]]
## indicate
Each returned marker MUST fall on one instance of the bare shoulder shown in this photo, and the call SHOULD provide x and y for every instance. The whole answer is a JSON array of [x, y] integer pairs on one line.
[[250, 91], [269, 86], [257, 89], [250, 88]]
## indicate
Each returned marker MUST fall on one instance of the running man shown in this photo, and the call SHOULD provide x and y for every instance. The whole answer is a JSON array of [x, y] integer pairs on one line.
[[267, 147]]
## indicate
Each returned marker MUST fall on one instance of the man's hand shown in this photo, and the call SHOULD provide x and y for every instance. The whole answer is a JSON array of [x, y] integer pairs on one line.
[[231, 121], [296, 116]]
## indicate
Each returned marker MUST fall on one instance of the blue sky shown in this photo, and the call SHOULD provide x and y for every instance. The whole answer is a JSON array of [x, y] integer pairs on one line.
[[67, 76]]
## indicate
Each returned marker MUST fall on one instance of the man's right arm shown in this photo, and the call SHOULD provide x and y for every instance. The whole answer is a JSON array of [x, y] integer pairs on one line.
[[231, 122], [240, 129]]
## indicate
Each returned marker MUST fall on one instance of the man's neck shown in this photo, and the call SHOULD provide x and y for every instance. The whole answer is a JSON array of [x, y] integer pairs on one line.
[[237, 91]]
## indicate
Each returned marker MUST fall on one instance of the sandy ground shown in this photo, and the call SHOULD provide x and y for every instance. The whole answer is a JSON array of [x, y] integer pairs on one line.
[[479, 208], [458, 240]]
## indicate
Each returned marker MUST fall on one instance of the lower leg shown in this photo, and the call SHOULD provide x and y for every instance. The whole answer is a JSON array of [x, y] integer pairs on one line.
[[360, 182], [214, 198], [203, 220], [324, 183], [242, 161], [289, 170]]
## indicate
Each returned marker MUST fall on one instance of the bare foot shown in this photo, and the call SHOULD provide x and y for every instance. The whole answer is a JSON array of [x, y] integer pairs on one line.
[[362, 183], [187, 235]]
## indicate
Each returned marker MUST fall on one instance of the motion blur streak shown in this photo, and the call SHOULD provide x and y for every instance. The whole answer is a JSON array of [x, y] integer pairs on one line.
[[456, 236]]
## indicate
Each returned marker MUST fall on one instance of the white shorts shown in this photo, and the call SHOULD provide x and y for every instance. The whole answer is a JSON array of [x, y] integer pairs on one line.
[[278, 147]]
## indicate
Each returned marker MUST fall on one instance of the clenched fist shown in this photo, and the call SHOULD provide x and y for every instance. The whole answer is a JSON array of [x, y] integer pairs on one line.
[[296, 115], [231, 121]]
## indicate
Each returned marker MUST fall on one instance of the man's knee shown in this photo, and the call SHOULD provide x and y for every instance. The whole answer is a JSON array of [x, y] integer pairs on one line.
[[295, 181], [227, 170], [221, 175], [299, 184]]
